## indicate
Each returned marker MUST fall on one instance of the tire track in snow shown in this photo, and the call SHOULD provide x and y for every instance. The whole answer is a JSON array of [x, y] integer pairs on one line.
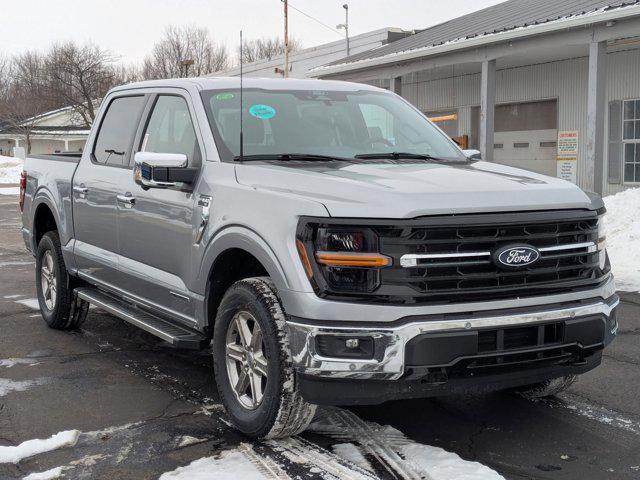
[[303, 452], [265, 465], [374, 441]]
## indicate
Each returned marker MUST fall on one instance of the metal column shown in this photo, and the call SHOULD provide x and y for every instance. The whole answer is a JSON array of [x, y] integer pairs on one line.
[[596, 105], [487, 108], [396, 85]]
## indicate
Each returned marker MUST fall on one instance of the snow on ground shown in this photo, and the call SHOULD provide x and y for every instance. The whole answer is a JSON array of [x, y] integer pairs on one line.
[[622, 224], [10, 362], [408, 459], [9, 190], [48, 475], [229, 465], [8, 386], [10, 169], [37, 446]]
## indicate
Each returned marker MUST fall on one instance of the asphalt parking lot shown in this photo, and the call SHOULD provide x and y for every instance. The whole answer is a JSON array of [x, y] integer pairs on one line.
[[144, 408]]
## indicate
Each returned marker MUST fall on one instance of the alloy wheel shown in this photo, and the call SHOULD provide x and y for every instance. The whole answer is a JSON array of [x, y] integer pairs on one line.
[[245, 360], [48, 280]]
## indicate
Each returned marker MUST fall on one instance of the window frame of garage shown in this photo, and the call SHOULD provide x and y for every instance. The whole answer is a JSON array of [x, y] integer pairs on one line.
[[630, 129]]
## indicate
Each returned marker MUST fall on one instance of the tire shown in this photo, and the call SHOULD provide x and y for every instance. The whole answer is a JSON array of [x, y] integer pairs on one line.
[[59, 307], [280, 411], [548, 388]]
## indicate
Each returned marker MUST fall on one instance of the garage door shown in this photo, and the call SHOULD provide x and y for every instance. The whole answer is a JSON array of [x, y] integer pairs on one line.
[[525, 135]]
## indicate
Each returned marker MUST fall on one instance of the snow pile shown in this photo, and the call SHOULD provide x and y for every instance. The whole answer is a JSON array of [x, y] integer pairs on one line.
[[436, 463], [229, 465], [10, 169], [37, 446], [622, 226]]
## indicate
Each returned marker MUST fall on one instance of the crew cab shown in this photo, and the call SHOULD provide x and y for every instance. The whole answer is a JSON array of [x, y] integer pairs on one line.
[[329, 243]]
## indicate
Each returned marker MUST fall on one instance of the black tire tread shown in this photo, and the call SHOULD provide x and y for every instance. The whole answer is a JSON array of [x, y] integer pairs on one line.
[[294, 414], [71, 311]]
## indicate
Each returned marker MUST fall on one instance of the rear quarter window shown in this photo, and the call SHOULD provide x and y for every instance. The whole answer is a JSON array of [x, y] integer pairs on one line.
[[117, 130]]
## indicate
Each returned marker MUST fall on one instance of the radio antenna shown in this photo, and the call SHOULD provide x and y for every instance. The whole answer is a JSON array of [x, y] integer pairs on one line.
[[241, 104]]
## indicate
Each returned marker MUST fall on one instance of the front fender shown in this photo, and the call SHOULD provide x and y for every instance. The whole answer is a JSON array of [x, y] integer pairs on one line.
[[246, 239]]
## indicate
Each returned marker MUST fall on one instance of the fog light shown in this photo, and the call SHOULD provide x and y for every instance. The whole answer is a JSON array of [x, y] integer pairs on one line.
[[336, 346], [352, 343]]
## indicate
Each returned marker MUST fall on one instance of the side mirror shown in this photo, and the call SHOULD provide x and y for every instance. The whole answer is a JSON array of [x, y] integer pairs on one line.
[[162, 170], [472, 154]]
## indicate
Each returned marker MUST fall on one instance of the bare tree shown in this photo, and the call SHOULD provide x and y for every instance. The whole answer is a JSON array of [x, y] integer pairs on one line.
[[266, 48], [24, 95], [180, 44], [79, 76]]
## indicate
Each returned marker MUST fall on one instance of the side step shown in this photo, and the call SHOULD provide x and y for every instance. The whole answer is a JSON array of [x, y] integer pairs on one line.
[[176, 335]]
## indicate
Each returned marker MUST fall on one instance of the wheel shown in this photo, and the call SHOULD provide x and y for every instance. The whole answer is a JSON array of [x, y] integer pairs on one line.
[[60, 308], [252, 363], [548, 388]]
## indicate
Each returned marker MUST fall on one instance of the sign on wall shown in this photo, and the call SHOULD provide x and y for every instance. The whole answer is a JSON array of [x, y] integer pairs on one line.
[[567, 158]]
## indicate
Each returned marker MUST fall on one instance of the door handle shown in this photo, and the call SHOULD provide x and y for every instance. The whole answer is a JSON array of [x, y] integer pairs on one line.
[[81, 191], [127, 200]]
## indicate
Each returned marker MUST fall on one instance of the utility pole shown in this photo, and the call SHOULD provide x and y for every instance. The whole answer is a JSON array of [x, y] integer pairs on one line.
[[286, 38], [345, 25]]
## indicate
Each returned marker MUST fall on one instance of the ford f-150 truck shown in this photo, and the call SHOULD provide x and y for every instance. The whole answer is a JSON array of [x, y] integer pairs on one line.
[[328, 242]]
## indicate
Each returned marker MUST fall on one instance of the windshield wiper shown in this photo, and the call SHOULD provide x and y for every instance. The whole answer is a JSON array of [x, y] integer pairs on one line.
[[404, 155], [289, 156]]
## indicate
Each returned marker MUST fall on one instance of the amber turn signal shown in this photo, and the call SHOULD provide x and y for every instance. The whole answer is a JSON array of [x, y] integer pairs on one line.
[[351, 259], [304, 258]]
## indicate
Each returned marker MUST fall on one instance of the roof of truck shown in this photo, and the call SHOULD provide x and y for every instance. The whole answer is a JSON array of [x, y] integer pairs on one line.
[[215, 83]]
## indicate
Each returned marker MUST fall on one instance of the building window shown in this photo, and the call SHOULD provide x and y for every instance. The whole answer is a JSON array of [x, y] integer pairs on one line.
[[631, 140]]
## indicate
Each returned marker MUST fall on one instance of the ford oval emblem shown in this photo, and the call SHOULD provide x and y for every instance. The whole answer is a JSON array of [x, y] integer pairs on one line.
[[516, 256]]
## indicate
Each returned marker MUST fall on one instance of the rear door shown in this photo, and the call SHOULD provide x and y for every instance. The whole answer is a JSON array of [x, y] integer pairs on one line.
[[156, 227], [97, 182]]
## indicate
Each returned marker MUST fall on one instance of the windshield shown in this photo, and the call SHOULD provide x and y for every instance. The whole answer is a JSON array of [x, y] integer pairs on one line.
[[330, 123]]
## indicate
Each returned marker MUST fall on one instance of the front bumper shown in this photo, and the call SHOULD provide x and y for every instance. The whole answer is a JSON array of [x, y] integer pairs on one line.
[[446, 348]]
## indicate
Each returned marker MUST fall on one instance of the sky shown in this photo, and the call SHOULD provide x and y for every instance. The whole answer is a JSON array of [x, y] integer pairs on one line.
[[129, 28]]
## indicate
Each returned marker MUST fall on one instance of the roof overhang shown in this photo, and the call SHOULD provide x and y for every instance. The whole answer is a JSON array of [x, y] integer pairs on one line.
[[576, 21]]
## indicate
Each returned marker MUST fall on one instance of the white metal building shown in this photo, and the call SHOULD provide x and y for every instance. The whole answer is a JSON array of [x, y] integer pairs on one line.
[[551, 86]]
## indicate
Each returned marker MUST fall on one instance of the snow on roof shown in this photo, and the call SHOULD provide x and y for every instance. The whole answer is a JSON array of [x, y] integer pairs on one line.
[[517, 16]]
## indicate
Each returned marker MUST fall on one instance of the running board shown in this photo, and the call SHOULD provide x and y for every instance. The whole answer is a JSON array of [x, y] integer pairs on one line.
[[176, 335]]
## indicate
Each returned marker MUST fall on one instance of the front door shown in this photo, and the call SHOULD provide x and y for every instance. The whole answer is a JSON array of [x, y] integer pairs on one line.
[[156, 226], [96, 184]]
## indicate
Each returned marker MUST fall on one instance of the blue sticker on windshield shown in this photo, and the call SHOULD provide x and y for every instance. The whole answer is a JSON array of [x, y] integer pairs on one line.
[[262, 112]]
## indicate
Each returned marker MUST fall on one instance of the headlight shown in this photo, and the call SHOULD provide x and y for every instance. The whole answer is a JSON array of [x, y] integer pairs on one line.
[[347, 258]]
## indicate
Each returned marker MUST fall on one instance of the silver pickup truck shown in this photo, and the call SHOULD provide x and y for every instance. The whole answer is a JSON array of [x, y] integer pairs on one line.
[[330, 244]]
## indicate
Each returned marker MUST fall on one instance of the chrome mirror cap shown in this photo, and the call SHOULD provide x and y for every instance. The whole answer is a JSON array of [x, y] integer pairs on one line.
[[146, 162], [472, 154]]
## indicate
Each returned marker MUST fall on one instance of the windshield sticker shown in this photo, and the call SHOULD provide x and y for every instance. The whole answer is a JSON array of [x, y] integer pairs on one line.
[[263, 112], [225, 96]]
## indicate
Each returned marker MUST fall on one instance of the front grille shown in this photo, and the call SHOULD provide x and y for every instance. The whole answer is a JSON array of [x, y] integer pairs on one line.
[[451, 258]]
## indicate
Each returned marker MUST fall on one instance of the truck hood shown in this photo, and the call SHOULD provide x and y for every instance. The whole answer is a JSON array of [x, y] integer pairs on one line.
[[408, 190]]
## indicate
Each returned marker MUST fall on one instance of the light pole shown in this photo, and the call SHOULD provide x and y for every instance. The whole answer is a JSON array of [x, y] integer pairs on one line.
[[186, 64], [345, 25]]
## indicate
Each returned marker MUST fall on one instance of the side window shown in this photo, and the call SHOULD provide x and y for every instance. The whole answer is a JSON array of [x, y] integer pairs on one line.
[[117, 130], [170, 129], [379, 122]]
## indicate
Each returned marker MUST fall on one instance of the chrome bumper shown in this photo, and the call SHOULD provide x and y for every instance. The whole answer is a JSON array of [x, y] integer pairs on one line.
[[390, 341]]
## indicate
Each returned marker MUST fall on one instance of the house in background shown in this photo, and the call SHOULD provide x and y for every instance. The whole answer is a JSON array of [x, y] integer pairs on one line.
[[52, 132]]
